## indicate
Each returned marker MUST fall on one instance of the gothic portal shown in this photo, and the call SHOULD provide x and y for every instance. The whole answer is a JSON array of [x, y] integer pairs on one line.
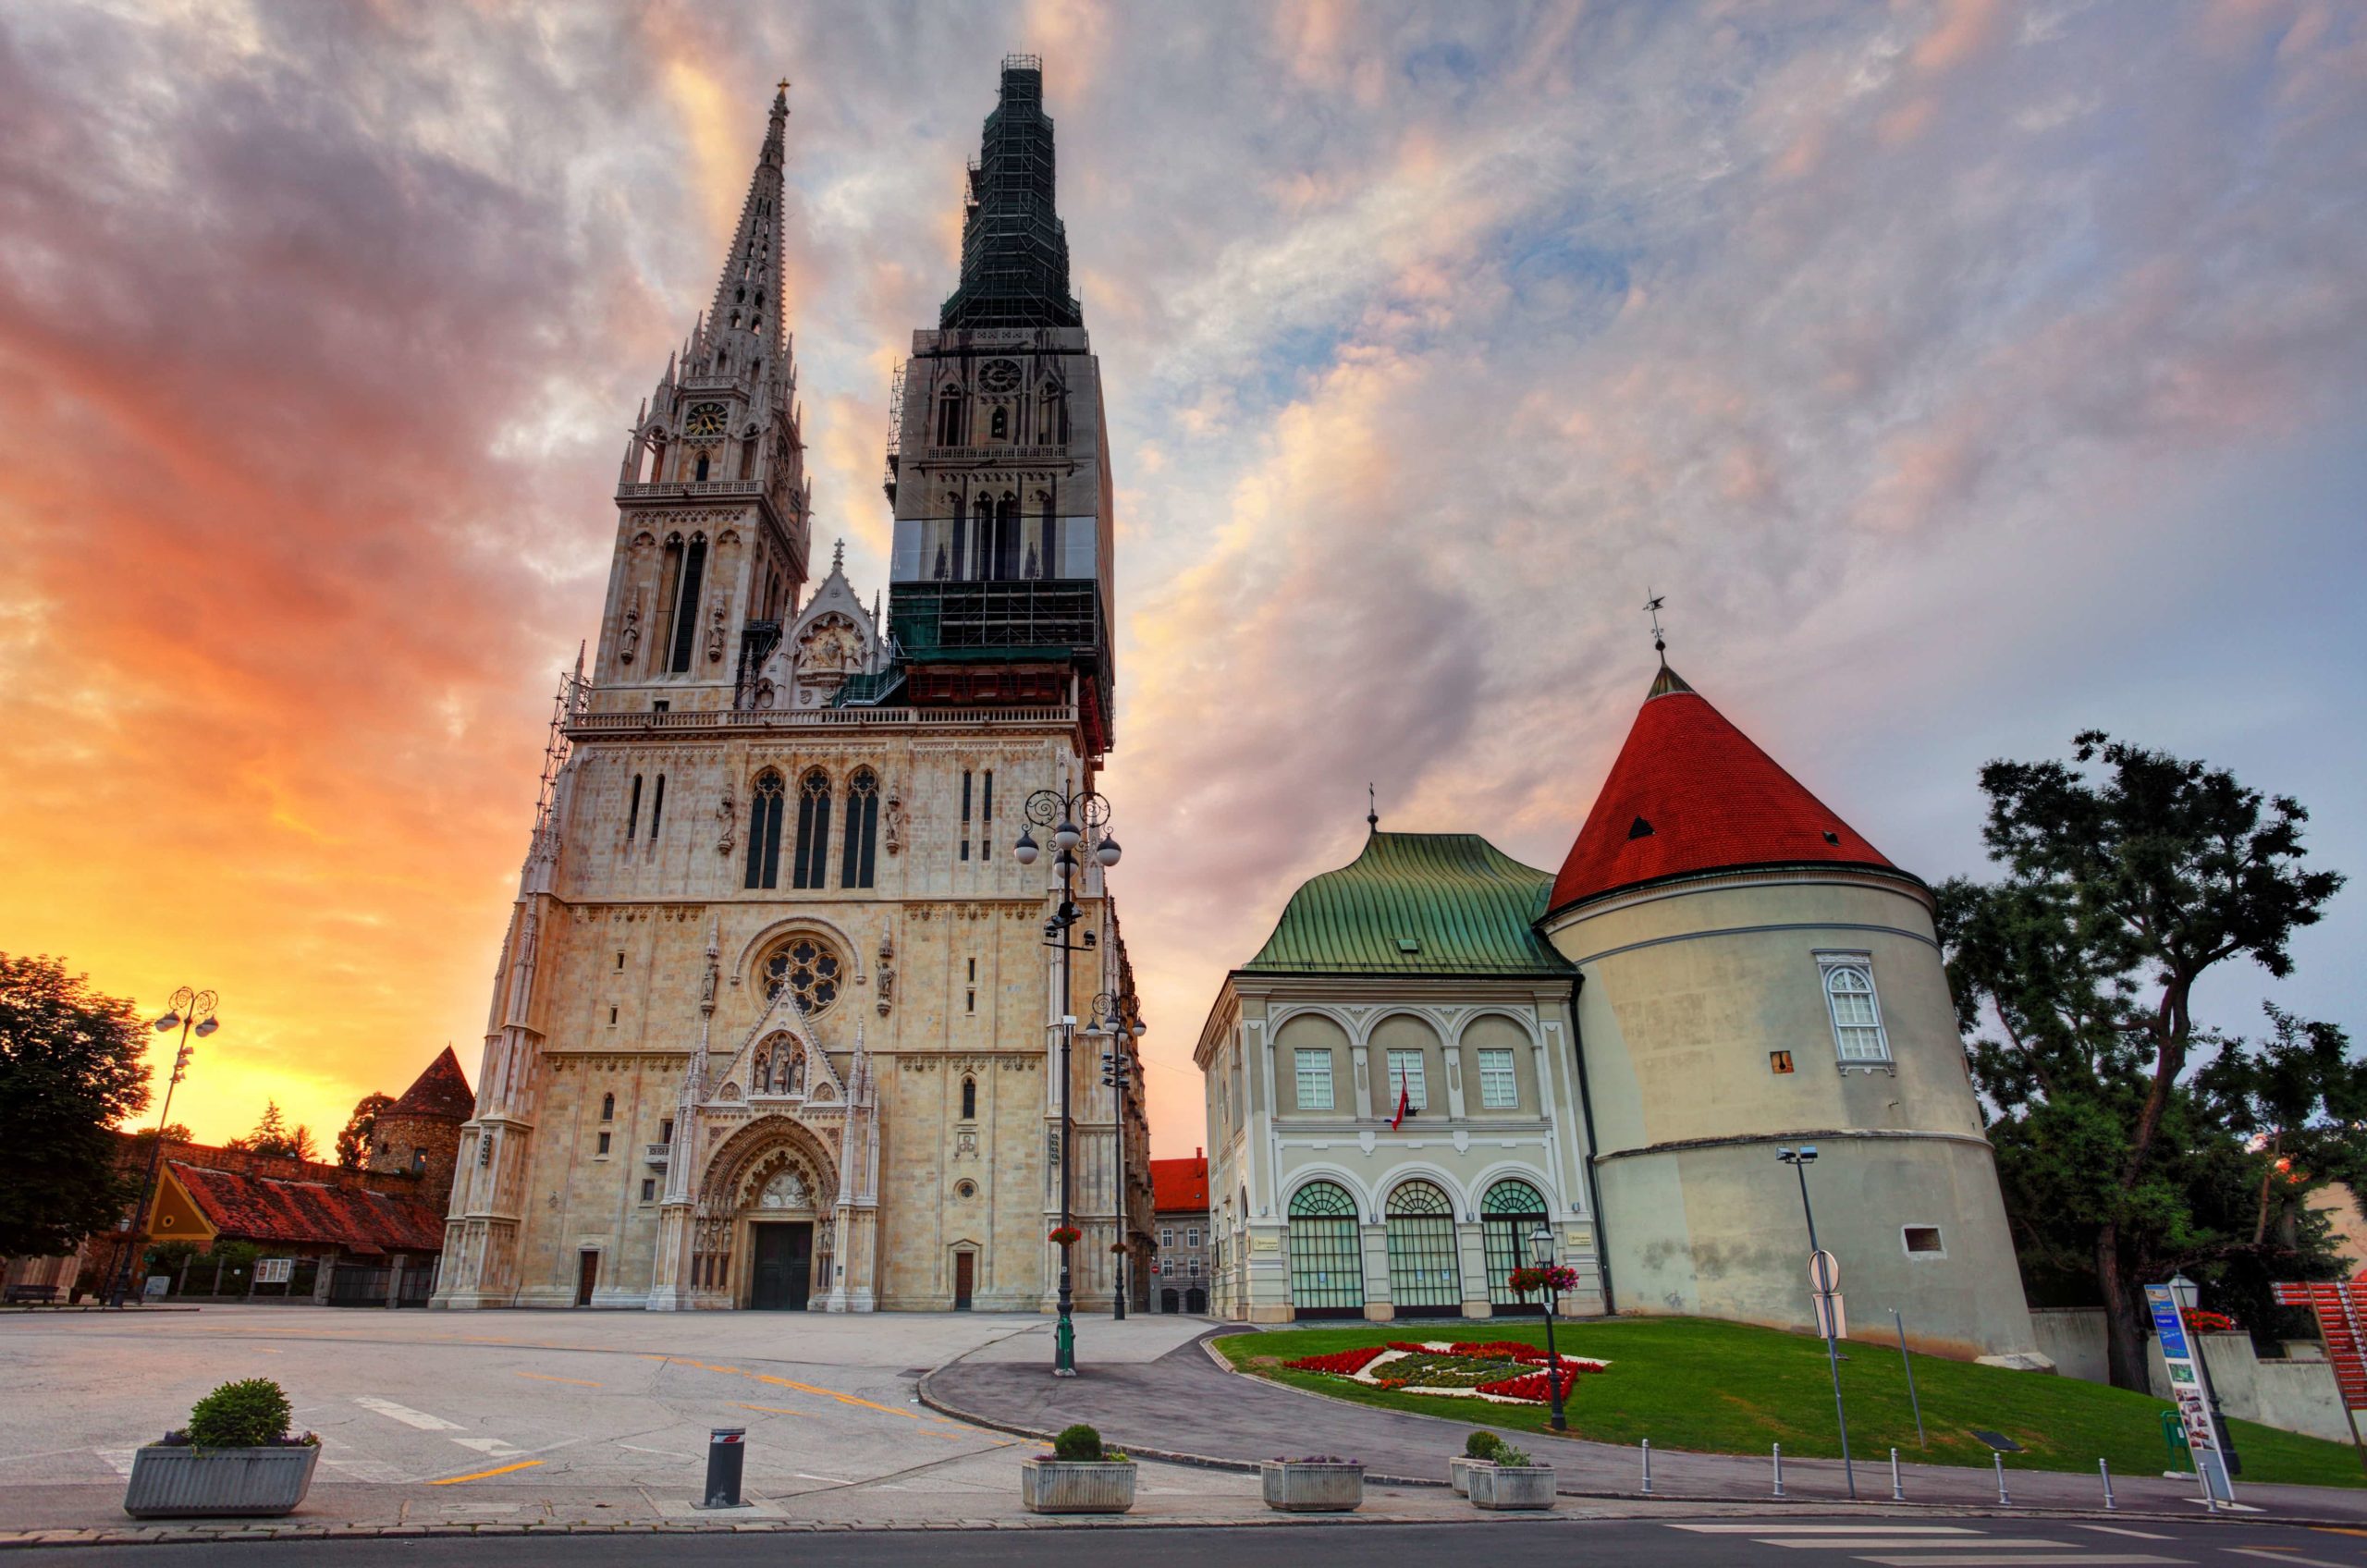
[[774, 1025]]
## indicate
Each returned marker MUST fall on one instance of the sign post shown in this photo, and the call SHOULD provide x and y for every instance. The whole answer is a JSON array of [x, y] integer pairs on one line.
[[2190, 1388]]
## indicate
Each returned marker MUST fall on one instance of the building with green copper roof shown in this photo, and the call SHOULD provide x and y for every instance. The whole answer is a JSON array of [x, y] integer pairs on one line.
[[1414, 904]]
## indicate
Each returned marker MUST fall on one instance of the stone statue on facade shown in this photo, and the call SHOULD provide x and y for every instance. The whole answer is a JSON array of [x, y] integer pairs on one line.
[[714, 635], [727, 811], [629, 640]]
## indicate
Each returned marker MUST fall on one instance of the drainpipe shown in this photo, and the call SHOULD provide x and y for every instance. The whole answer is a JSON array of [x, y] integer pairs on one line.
[[1594, 1188]]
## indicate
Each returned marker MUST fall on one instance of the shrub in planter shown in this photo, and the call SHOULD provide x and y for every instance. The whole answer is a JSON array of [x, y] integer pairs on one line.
[[1318, 1483], [234, 1458], [1480, 1449], [1078, 1477], [1512, 1482]]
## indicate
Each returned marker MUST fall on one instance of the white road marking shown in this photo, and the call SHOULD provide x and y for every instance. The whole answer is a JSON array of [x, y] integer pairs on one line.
[[1825, 1529], [2117, 1530], [1894, 1541], [2024, 1560], [406, 1414], [367, 1470], [834, 1480], [666, 1451], [118, 1457], [2285, 1557], [488, 1445]]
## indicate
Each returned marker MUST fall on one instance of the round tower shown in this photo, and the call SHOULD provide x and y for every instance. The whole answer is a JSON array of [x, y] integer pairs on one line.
[[1755, 976], [420, 1133]]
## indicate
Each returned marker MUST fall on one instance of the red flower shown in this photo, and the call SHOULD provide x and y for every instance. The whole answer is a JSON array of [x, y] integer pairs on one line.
[[1344, 1363], [1064, 1235]]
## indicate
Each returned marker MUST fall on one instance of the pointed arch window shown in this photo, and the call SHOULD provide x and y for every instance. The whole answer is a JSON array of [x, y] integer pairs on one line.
[[961, 535], [998, 423], [949, 418], [698, 474], [686, 608], [633, 809], [607, 1108], [658, 809], [809, 861], [764, 831], [969, 1100], [855, 863]]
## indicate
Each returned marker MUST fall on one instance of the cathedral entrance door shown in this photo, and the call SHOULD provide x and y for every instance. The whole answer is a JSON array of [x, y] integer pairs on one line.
[[966, 1280], [784, 1274]]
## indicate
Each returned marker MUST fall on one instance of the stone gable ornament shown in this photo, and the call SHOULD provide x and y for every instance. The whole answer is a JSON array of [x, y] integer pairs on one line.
[[786, 1190]]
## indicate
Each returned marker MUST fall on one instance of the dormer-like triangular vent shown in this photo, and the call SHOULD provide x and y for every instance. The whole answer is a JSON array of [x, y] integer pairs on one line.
[[1639, 828]]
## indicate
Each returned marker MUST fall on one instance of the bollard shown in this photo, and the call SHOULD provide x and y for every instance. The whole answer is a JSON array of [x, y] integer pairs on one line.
[[1648, 1467], [727, 1456], [1779, 1469], [1896, 1493], [2002, 1498], [2103, 1468]]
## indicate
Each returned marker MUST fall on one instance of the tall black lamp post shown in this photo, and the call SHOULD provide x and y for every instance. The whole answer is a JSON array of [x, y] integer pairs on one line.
[[192, 1014], [1062, 812], [1119, 1019], [1821, 1281], [1540, 1252]]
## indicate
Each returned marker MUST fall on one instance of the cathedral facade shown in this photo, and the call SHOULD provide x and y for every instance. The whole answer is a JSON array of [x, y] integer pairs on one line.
[[776, 1023]]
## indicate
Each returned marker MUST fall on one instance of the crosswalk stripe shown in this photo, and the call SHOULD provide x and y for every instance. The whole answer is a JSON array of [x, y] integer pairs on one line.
[[2022, 1559], [2118, 1530], [1825, 1529], [406, 1414], [1923, 1543], [2285, 1557]]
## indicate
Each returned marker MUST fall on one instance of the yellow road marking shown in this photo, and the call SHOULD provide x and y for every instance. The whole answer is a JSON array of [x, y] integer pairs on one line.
[[546, 1377], [774, 1410], [481, 1475], [800, 1388]]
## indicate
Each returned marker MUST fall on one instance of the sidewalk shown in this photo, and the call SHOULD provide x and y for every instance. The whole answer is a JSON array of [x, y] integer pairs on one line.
[[1186, 1406]]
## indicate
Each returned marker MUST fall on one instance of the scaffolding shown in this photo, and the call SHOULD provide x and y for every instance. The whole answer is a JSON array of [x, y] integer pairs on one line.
[[1014, 248]]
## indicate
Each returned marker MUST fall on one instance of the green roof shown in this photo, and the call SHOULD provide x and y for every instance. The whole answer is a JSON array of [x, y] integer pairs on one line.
[[1417, 903]]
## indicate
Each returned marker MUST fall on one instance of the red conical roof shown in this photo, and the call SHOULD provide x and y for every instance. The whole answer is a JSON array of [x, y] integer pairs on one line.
[[1691, 793], [441, 1091]]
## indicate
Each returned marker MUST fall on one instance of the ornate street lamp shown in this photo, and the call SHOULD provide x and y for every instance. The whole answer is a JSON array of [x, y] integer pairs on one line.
[[1061, 811], [192, 1014], [1119, 1019], [1799, 1159], [1541, 1252]]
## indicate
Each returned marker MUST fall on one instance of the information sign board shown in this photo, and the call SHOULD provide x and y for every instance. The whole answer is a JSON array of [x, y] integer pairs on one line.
[[2190, 1389]]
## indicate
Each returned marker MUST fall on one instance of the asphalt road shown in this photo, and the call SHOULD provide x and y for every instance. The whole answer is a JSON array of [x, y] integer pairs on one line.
[[1790, 1541]]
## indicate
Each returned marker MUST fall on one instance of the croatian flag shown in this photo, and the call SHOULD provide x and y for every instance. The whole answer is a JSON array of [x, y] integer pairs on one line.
[[1404, 1105]]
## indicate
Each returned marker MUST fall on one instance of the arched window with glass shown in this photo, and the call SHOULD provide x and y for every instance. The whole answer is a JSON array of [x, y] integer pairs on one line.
[[855, 863], [969, 1100], [811, 858], [764, 831], [1510, 1212], [1327, 1259], [1856, 1012], [1424, 1274]]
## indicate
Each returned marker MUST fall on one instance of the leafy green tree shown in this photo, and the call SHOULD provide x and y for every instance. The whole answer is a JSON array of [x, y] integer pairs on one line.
[[353, 1143], [273, 1135], [70, 1068], [2128, 877]]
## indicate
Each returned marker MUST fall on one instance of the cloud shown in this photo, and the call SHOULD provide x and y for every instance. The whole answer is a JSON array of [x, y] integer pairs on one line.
[[1899, 346]]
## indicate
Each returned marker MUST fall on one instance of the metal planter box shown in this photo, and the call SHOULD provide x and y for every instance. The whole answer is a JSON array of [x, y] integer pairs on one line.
[[1458, 1473], [1313, 1487], [189, 1483], [1512, 1485], [1074, 1485]]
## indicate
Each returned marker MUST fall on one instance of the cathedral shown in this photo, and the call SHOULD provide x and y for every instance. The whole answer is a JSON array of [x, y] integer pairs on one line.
[[780, 1019]]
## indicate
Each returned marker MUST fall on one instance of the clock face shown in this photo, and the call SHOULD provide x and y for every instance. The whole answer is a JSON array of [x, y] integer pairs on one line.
[[706, 419], [999, 375]]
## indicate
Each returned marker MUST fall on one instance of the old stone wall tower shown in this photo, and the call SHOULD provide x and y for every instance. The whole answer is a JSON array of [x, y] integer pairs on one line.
[[774, 1025]]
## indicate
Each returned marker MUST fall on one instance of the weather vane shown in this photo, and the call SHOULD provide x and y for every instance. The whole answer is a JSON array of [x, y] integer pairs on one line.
[[1372, 810], [1652, 607]]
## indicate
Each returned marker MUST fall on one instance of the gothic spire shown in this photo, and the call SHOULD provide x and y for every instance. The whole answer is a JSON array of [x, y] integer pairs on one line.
[[742, 328], [1014, 248]]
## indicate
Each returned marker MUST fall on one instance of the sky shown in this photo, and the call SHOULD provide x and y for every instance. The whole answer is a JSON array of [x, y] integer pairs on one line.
[[1966, 375]]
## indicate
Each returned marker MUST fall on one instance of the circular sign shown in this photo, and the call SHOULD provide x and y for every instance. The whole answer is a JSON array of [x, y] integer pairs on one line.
[[1824, 1272]]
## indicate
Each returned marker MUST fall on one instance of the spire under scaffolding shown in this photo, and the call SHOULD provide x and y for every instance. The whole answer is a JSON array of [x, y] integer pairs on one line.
[[1014, 248]]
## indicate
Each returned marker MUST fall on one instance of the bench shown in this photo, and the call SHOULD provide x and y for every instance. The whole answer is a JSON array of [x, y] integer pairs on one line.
[[31, 1295]]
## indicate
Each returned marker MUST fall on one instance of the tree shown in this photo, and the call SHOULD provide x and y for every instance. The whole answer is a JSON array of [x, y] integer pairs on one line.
[[2128, 878], [353, 1143], [273, 1135], [71, 1067]]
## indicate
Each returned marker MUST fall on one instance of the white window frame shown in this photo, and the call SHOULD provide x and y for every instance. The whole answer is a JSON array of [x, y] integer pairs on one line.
[[1415, 1082], [1312, 1067], [1191, 1236], [1506, 1076], [1830, 966], [1166, 1237]]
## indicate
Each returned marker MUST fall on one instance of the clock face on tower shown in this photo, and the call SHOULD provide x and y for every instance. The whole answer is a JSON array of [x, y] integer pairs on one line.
[[706, 419], [999, 375]]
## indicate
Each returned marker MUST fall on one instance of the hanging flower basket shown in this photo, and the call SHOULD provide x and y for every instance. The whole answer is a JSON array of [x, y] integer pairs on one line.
[[1065, 1235], [1560, 1277]]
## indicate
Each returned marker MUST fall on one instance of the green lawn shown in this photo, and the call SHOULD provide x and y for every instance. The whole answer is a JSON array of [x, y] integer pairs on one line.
[[1726, 1388]]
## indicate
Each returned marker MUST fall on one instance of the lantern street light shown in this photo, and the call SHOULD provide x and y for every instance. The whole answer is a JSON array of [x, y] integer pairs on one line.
[[1821, 1280], [1119, 1019], [1541, 1252], [1047, 808], [191, 1013]]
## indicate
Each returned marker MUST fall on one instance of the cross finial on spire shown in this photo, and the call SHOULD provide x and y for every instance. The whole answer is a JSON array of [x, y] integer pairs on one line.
[[839, 556], [1372, 810], [1659, 640]]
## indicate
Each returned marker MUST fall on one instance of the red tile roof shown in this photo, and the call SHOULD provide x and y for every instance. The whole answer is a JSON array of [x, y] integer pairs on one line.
[[264, 1208], [1691, 793], [442, 1091], [1177, 1185]]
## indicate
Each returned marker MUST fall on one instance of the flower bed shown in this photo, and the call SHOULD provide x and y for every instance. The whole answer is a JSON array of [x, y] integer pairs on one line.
[[1488, 1370]]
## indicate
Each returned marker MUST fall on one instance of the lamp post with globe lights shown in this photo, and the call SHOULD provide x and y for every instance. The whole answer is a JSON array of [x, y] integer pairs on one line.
[[1078, 821], [192, 1014], [1119, 1019]]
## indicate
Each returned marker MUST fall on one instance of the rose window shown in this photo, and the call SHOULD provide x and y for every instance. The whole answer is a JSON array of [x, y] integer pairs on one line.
[[808, 969]]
